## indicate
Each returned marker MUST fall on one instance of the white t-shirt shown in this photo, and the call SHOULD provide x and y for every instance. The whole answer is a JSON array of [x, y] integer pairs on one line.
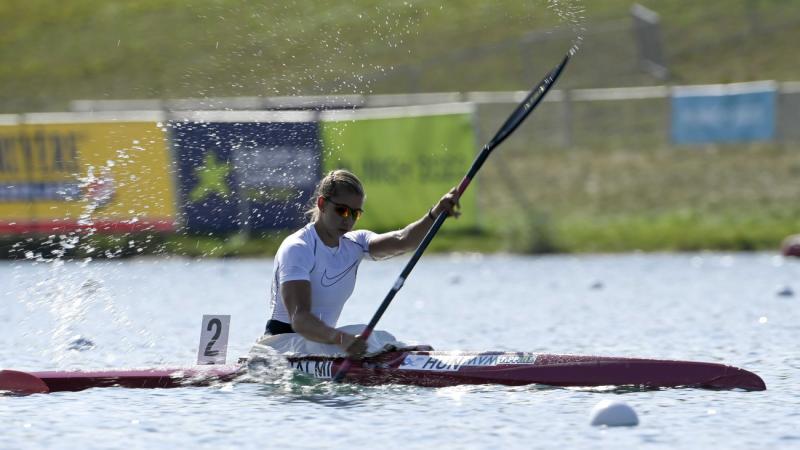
[[331, 271]]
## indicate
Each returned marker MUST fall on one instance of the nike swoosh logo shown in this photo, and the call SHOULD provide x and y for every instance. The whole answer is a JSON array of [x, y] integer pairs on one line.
[[336, 278]]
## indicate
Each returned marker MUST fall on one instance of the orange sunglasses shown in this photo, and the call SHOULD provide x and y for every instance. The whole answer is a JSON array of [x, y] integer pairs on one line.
[[344, 210]]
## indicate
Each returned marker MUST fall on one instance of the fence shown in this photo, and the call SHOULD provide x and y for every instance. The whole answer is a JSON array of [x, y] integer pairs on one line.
[[631, 117], [590, 158]]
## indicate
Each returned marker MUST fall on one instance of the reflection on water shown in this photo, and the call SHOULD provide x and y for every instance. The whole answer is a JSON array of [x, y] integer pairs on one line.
[[622, 389]]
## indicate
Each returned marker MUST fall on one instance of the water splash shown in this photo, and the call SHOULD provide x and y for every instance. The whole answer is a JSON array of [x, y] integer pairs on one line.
[[70, 302], [571, 13]]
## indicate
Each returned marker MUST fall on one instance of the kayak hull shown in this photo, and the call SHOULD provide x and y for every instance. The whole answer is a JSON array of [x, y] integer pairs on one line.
[[440, 369], [419, 368]]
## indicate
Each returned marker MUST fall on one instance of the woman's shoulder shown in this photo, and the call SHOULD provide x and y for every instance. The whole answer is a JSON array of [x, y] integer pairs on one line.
[[300, 239], [360, 237]]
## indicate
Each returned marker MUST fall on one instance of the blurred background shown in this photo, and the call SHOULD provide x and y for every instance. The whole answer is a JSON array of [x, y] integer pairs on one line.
[[201, 127]]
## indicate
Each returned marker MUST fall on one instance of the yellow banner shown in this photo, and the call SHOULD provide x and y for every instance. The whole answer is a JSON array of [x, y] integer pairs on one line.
[[109, 176]]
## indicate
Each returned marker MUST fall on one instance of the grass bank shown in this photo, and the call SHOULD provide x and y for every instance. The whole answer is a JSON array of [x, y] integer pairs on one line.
[[233, 246], [617, 186], [651, 199], [54, 52]]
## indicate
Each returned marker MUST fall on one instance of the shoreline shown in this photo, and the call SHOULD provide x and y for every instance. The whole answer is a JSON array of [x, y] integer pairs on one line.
[[510, 241]]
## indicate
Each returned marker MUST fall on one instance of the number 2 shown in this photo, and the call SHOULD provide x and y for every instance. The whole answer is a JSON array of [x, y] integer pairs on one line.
[[218, 324]]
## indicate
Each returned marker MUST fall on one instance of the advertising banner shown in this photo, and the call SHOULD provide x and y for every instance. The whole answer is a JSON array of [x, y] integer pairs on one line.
[[250, 172], [724, 113], [59, 176], [407, 158]]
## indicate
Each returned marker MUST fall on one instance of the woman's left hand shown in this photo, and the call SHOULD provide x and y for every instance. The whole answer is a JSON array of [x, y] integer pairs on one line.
[[353, 345], [449, 203]]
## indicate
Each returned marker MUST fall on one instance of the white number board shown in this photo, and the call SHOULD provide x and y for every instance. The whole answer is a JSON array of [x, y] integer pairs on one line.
[[213, 339]]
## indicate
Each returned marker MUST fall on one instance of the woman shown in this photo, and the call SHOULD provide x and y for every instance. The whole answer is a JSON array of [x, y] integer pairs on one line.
[[315, 268]]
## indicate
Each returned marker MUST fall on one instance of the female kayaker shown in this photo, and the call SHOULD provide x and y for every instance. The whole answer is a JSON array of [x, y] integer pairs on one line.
[[315, 267]]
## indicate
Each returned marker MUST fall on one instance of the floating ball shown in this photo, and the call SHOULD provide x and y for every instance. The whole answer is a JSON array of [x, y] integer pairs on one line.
[[614, 414]]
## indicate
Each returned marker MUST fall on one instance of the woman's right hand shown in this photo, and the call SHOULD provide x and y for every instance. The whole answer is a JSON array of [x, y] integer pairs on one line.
[[353, 345], [448, 203]]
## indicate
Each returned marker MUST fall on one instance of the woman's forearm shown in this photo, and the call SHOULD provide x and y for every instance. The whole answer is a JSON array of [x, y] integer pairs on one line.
[[413, 234], [313, 329], [401, 241]]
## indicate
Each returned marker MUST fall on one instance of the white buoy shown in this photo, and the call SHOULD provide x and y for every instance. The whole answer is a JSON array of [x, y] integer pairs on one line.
[[614, 414]]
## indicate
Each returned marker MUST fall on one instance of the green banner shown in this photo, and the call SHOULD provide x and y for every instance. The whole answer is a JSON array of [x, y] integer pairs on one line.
[[405, 163]]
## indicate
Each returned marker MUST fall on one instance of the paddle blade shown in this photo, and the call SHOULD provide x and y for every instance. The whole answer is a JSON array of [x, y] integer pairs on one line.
[[21, 383], [343, 369], [531, 100]]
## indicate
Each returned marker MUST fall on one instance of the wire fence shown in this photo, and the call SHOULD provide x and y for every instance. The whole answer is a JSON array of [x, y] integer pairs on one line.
[[599, 119], [635, 117]]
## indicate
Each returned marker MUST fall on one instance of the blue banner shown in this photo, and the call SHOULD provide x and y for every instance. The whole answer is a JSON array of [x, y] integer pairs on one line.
[[724, 113], [245, 176]]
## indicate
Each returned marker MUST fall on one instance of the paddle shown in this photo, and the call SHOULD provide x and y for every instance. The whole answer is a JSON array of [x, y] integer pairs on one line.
[[520, 113]]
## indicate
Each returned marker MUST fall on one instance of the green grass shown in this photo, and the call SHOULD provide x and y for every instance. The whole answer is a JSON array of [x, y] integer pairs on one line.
[[662, 198], [195, 246], [618, 187], [53, 52]]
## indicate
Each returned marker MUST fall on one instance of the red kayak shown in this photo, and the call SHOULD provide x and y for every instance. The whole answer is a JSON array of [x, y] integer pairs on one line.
[[420, 368]]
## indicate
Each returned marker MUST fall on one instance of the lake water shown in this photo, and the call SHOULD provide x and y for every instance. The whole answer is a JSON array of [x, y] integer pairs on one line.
[[144, 312]]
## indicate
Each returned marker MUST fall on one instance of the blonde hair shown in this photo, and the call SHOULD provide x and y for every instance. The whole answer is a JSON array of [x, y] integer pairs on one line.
[[331, 184]]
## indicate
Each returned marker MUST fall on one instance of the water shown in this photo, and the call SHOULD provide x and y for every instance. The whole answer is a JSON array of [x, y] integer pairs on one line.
[[710, 307]]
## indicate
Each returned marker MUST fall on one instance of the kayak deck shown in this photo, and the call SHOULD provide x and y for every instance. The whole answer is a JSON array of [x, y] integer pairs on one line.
[[420, 368]]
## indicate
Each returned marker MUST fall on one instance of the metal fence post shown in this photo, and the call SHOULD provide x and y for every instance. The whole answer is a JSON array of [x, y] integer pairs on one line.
[[566, 109], [647, 32]]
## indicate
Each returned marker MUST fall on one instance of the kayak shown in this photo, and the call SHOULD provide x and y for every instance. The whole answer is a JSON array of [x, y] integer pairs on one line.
[[418, 368]]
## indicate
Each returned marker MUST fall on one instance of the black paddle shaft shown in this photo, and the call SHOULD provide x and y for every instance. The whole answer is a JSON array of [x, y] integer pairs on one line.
[[520, 113]]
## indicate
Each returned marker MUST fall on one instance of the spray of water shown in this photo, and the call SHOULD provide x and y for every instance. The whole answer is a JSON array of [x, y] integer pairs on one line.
[[571, 13], [71, 300]]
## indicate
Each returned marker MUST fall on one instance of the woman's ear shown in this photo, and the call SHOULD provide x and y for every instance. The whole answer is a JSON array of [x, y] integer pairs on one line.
[[320, 202]]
